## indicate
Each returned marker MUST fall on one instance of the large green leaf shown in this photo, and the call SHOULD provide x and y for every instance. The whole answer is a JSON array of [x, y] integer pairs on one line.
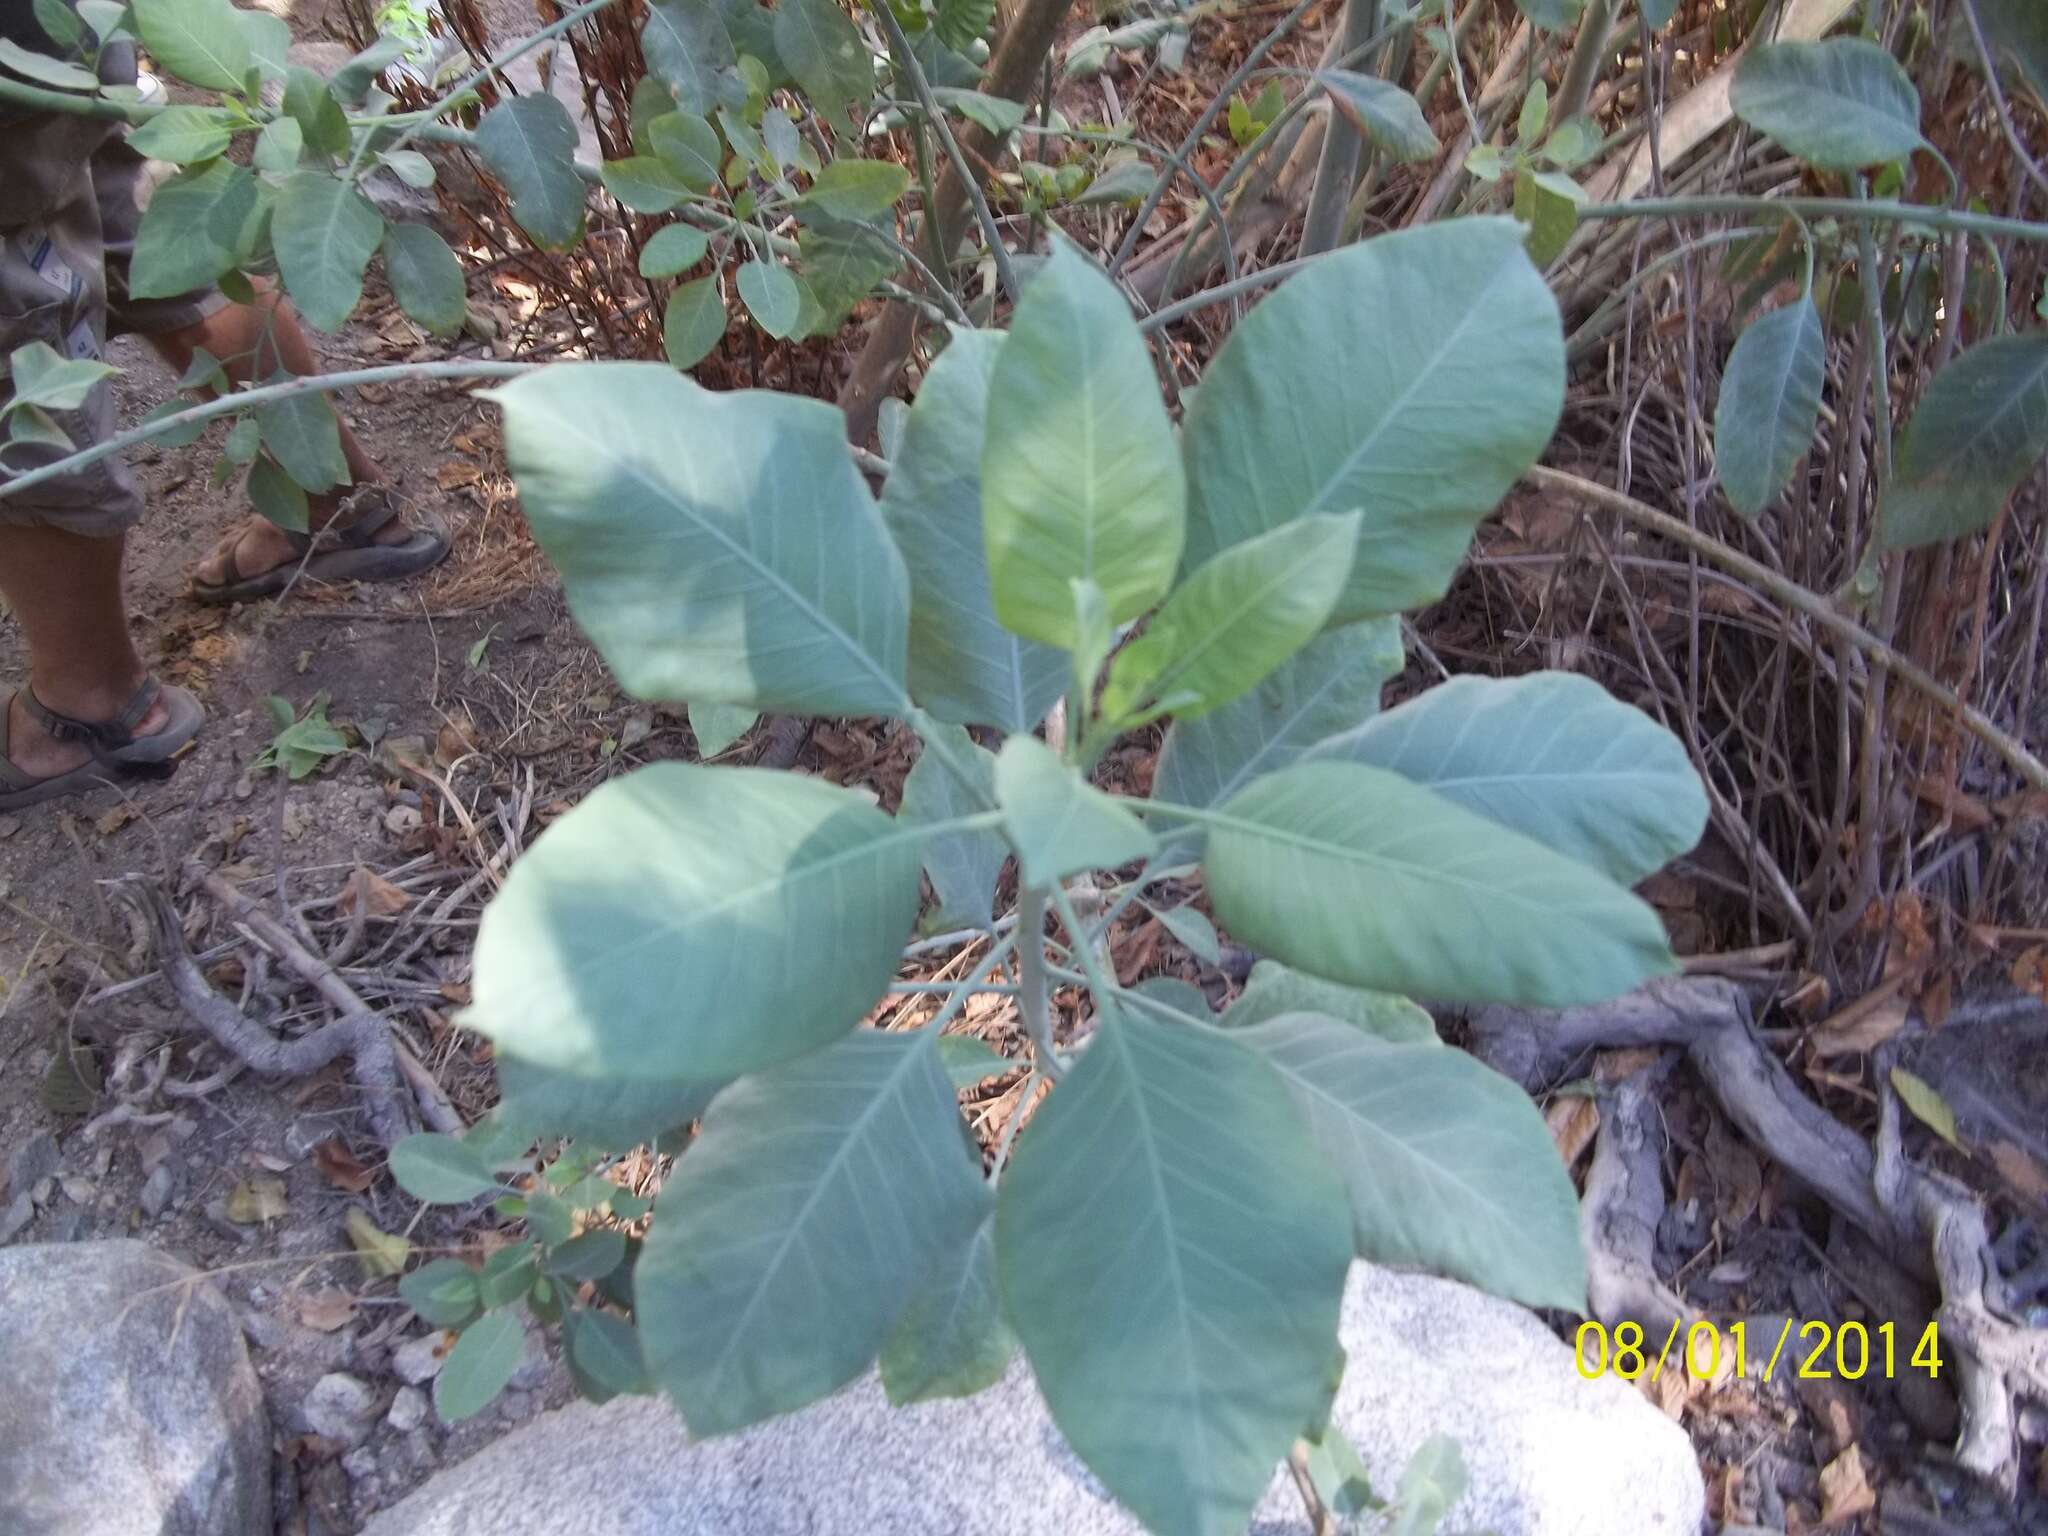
[[841, 263], [770, 294], [1981, 428], [198, 225], [1554, 756], [310, 102], [694, 322], [951, 1340], [1552, 15], [688, 145], [182, 135], [1448, 1164], [479, 1365], [199, 41], [1239, 615], [1330, 687], [304, 436], [426, 279], [1413, 377], [823, 50], [1079, 476], [856, 189], [1770, 402], [692, 923], [1840, 104], [611, 1114], [1059, 823], [715, 546], [529, 142], [325, 232], [1172, 1250], [689, 49], [964, 666], [1355, 874], [1273, 990], [963, 867], [818, 1200], [1386, 114]]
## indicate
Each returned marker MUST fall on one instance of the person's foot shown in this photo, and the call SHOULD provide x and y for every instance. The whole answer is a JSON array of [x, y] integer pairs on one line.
[[41, 756], [257, 545]]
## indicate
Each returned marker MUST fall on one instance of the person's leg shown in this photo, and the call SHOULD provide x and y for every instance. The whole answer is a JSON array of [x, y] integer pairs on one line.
[[64, 590], [254, 342]]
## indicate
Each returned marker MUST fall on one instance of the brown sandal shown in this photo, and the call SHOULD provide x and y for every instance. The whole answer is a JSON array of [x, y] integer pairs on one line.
[[343, 551], [116, 750]]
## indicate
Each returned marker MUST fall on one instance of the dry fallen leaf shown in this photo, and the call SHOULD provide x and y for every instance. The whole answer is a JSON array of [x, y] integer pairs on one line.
[[1927, 1105], [1738, 1177], [1573, 1119], [341, 1166], [2030, 971], [259, 1198], [326, 1310], [115, 818], [1861, 1027], [2018, 1169], [368, 892], [1844, 1489], [382, 1254]]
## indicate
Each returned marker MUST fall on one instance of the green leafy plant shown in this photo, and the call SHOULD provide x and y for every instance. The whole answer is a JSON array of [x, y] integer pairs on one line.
[[567, 1272], [693, 936], [303, 743]]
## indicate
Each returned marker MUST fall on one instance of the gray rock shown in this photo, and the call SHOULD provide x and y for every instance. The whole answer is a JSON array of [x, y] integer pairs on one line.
[[408, 1410], [418, 1360], [32, 1162], [156, 1191], [1548, 1453], [130, 1407], [339, 1407], [20, 1211]]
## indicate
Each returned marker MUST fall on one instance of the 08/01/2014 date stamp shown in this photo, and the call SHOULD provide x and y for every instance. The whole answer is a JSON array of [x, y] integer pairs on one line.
[[1818, 1350]]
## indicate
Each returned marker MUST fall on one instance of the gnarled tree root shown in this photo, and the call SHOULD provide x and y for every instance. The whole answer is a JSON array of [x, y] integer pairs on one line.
[[1925, 1222], [363, 1037], [1618, 1217]]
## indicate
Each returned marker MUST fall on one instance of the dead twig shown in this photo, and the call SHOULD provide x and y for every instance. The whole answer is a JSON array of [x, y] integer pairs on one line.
[[359, 1035]]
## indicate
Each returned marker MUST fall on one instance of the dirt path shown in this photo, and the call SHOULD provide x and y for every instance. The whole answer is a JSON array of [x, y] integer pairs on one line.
[[476, 670]]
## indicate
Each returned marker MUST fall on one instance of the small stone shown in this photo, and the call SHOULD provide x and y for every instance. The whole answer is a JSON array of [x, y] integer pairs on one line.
[[360, 1464], [32, 1162], [515, 1406], [419, 1360], [408, 1410], [77, 1190], [340, 1408], [156, 1191], [43, 1191], [19, 1213], [9, 825]]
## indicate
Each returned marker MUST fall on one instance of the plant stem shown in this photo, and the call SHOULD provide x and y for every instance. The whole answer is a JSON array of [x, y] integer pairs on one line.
[[1343, 142], [1099, 982], [1192, 139], [463, 87], [225, 405], [906, 62], [1588, 50], [1818, 609], [1950, 219], [1032, 994]]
